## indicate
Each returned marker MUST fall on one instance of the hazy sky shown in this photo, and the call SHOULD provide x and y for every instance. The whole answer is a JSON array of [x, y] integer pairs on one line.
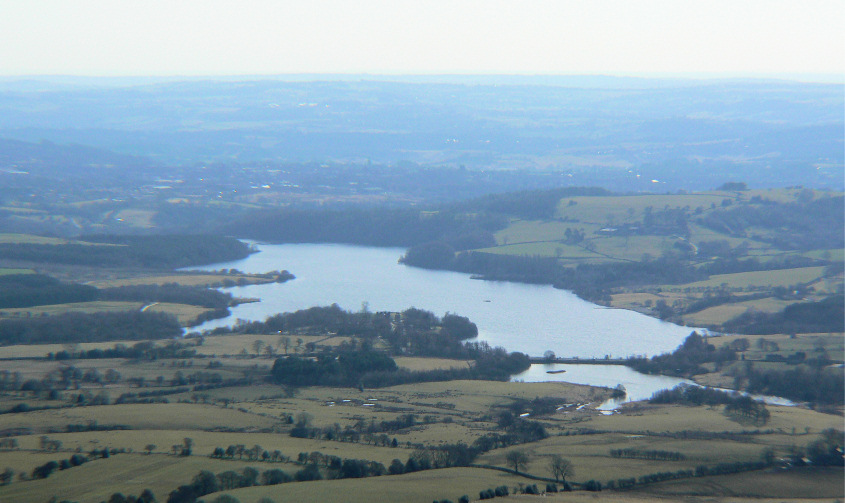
[[215, 37]]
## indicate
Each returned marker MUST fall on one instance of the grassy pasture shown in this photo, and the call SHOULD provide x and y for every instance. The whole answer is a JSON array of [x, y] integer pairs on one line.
[[696, 451], [96, 306], [184, 313], [522, 231], [699, 233], [324, 415], [19, 209], [25, 460], [632, 247], [418, 487], [644, 496], [719, 314], [837, 254], [760, 346], [637, 427], [13, 238], [480, 396], [636, 301], [439, 434], [185, 279], [205, 442], [347, 407], [30, 239], [149, 370], [834, 344], [671, 418], [413, 363], [593, 467], [235, 344], [780, 277], [11, 270], [257, 411], [140, 416], [543, 249], [801, 484], [41, 350], [96, 480], [590, 454], [590, 214], [274, 402], [247, 393], [136, 217], [603, 210]]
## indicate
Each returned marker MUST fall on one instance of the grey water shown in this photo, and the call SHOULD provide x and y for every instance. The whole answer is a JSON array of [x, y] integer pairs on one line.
[[520, 317], [637, 386]]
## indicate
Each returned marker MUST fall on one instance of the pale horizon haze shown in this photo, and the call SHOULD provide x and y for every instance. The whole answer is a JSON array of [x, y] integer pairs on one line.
[[735, 38]]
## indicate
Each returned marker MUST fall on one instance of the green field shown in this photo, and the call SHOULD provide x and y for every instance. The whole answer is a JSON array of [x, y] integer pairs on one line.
[[720, 314], [447, 412], [781, 277], [186, 279], [184, 313], [215, 391], [422, 487], [12, 270]]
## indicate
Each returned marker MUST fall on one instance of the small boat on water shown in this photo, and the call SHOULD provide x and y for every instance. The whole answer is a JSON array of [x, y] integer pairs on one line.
[[555, 371]]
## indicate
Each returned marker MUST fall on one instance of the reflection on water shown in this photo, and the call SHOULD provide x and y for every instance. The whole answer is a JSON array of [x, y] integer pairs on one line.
[[527, 318], [638, 386], [520, 317]]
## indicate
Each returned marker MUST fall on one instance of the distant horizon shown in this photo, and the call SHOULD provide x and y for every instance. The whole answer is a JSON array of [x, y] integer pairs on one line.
[[798, 77]]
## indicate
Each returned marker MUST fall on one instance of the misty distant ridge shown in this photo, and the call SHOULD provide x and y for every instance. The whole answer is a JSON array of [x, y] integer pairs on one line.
[[681, 133], [645, 81]]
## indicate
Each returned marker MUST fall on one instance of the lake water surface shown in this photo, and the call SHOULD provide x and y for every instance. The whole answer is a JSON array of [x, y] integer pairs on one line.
[[520, 317], [638, 386]]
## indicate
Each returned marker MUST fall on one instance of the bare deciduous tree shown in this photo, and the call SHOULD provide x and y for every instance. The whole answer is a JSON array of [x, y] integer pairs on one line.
[[561, 467]]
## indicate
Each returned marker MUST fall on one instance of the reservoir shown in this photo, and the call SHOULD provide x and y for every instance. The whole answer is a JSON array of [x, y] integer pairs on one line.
[[638, 386], [521, 317]]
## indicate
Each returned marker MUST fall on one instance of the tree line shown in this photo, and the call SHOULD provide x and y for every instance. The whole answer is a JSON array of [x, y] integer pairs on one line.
[[647, 454], [464, 225], [589, 281], [154, 251], [171, 292], [800, 225], [826, 315], [743, 408], [412, 332], [144, 350], [25, 290], [804, 383], [91, 327], [687, 360], [372, 369], [811, 380]]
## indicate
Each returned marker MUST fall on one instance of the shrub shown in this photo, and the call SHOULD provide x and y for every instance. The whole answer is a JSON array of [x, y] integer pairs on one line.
[[593, 485]]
